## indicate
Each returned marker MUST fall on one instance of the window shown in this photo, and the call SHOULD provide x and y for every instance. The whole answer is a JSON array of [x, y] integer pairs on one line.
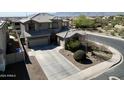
[[17, 23]]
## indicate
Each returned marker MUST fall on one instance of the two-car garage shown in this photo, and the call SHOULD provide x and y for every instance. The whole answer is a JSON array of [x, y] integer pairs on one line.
[[39, 41]]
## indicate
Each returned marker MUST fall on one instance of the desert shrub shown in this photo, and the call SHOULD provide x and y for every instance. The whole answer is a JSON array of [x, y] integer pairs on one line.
[[113, 33], [73, 45], [121, 33], [80, 55], [101, 55], [105, 50], [92, 46]]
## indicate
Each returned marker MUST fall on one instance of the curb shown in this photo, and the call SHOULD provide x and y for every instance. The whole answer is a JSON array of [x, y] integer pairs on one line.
[[98, 69]]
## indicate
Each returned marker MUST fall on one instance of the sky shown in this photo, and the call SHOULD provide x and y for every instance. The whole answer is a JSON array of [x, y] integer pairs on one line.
[[12, 14]]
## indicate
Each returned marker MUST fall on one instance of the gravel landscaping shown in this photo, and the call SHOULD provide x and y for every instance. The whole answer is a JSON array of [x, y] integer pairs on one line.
[[93, 58]]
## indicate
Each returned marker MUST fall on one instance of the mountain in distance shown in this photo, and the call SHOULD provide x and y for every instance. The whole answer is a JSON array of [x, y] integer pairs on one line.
[[63, 14]]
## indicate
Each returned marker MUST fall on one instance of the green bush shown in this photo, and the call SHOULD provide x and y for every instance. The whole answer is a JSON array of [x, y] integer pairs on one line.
[[80, 55], [73, 45], [84, 22]]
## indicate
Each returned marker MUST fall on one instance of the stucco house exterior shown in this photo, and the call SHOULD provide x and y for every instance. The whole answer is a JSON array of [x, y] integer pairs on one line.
[[62, 37], [41, 29], [3, 45], [13, 23]]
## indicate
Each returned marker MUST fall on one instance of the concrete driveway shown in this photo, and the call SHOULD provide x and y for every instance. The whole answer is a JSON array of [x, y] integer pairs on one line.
[[53, 63]]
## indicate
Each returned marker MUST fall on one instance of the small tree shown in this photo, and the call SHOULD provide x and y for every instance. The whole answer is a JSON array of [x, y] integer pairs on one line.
[[73, 45], [83, 22]]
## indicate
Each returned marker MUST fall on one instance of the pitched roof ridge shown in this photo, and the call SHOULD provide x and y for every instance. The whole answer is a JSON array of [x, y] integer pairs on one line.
[[41, 13], [2, 24], [35, 15], [32, 17]]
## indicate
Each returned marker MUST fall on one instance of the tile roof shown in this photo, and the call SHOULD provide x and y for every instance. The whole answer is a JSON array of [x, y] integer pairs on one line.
[[2, 23], [69, 33], [40, 17], [13, 19]]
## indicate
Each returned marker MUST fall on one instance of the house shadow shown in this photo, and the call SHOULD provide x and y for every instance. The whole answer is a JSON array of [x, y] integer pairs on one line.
[[16, 71], [46, 47]]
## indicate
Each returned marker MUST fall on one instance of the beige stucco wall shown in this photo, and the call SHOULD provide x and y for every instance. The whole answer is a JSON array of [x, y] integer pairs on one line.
[[57, 25], [23, 29], [3, 42], [43, 26], [60, 24], [17, 26], [38, 26], [60, 41]]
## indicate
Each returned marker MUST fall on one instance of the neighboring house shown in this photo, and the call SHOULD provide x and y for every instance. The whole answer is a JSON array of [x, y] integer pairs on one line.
[[41, 29], [62, 37], [14, 22], [65, 23], [3, 45]]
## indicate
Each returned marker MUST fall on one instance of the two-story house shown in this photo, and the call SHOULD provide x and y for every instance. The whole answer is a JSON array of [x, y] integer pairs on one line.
[[40, 29]]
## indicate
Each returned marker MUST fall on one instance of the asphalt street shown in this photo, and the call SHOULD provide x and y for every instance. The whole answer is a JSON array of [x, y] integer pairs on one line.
[[116, 72]]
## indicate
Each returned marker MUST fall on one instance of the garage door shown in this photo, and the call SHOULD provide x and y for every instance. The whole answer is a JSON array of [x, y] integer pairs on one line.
[[40, 41]]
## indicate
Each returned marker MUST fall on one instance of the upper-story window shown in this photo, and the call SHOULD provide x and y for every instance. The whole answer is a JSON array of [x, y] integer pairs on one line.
[[17, 23], [55, 25]]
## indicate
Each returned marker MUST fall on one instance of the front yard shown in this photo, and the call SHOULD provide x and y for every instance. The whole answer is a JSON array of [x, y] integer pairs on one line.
[[94, 53]]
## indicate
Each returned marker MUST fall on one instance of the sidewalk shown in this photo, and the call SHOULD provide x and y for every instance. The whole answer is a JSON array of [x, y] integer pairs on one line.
[[102, 35]]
